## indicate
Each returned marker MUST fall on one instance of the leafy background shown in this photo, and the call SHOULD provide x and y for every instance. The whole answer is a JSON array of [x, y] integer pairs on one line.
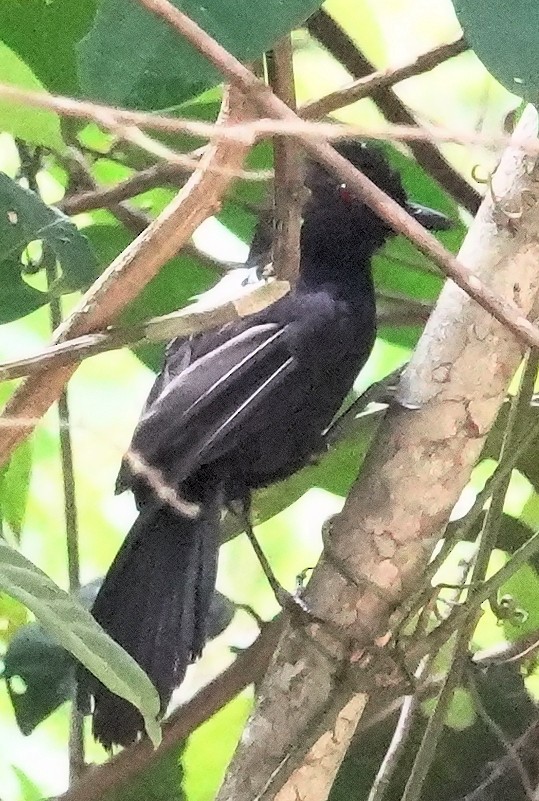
[[52, 45]]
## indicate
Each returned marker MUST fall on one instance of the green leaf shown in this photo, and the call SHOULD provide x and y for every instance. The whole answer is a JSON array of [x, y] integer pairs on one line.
[[34, 125], [461, 713], [24, 218], [75, 629], [505, 36], [29, 790], [219, 735], [47, 670], [44, 34], [39, 673], [14, 485], [161, 779], [159, 67]]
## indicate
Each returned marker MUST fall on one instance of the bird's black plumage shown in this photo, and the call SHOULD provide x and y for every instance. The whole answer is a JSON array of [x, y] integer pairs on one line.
[[233, 409]]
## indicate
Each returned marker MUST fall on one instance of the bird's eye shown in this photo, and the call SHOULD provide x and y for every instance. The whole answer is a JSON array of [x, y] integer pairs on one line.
[[345, 194]]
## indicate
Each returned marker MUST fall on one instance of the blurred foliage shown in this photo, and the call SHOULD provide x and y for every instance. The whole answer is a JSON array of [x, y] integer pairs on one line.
[[505, 37], [116, 52], [466, 755], [27, 221]]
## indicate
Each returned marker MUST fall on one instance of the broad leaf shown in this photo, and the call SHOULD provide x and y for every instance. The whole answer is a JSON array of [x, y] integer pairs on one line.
[[24, 218], [34, 125], [36, 663], [39, 674], [159, 67], [75, 629], [14, 485], [44, 34], [505, 36]]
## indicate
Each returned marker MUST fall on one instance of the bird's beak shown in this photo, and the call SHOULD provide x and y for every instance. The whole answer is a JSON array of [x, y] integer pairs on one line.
[[429, 218]]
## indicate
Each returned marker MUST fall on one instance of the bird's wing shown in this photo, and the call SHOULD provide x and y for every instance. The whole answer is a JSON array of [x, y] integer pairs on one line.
[[201, 403]]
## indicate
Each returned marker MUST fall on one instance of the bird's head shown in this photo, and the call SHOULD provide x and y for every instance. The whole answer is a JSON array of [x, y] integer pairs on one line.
[[335, 216]]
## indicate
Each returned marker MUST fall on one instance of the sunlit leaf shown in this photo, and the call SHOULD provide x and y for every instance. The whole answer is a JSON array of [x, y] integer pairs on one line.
[[34, 125]]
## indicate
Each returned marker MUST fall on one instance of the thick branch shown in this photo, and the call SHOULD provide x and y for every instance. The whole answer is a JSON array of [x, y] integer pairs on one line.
[[130, 272], [414, 474]]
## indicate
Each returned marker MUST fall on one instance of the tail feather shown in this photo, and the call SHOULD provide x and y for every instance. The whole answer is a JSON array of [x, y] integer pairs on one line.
[[154, 602]]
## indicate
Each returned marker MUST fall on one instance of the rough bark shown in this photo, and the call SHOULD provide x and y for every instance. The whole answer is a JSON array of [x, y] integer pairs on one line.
[[414, 474]]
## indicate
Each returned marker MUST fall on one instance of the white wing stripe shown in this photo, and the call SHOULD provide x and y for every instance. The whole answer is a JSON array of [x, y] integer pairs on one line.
[[215, 434]]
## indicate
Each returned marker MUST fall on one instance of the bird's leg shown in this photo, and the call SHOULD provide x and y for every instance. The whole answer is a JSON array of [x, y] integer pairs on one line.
[[284, 598]]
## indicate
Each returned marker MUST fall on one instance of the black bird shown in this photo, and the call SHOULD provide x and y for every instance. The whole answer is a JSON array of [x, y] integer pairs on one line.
[[234, 409]]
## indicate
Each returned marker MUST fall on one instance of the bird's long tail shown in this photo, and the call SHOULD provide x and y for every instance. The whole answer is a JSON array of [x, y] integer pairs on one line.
[[154, 602]]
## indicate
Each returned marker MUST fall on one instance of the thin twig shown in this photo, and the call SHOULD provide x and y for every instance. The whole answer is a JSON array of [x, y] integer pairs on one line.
[[157, 175], [460, 529], [429, 743], [427, 750], [503, 764], [129, 273], [410, 706], [96, 197], [247, 133], [381, 79], [173, 173], [493, 516], [80, 174], [504, 311], [30, 165], [509, 747], [340, 45], [486, 590], [76, 724], [186, 322]]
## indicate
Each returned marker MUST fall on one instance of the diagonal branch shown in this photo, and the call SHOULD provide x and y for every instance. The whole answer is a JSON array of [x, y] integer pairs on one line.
[[190, 320], [381, 79], [504, 310], [412, 477], [324, 28], [142, 181], [130, 763], [132, 270]]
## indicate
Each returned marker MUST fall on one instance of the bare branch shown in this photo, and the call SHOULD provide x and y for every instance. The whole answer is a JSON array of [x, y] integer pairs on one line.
[[249, 132], [157, 175], [184, 323], [129, 273], [381, 79], [333, 38], [411, 479], [504, 310], [248, 667]]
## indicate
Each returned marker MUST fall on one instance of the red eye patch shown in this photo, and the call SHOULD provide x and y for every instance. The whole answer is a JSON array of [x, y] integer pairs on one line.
[[345, 194]]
